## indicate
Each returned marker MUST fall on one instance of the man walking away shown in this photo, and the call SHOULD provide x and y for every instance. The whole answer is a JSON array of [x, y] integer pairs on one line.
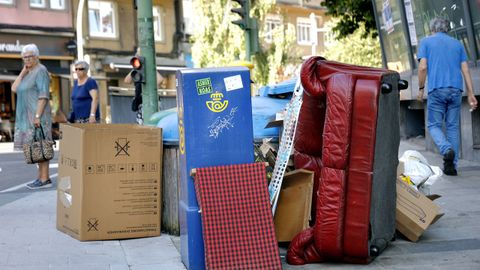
[[443, 59]]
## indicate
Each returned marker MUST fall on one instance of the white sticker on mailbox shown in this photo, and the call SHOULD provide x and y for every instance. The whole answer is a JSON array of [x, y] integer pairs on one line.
[[233, 82]]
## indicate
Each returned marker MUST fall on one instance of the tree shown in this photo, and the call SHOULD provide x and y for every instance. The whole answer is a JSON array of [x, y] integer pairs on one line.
[[355, 49], [217, 42], [352, 14], [279, 59]]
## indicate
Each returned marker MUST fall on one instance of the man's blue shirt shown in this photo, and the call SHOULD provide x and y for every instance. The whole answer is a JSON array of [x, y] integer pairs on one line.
[[444, 56]]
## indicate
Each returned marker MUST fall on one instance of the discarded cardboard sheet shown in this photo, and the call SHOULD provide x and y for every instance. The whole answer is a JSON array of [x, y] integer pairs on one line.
[[294, 204]]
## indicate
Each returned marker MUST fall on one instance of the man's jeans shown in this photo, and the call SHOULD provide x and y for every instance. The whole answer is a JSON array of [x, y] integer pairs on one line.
[[444, 104]]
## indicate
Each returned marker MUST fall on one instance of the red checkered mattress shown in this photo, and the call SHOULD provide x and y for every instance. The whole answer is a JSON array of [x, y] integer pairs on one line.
[[237, 221]]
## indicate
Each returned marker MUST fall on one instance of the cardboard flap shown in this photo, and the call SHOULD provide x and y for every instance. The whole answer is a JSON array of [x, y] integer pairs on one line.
[[437, 217], [434, 196], [274, 123], [64, 187], [294, 204]]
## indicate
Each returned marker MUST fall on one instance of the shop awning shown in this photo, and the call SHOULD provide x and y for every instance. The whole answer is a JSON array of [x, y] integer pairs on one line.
[[8, 78]]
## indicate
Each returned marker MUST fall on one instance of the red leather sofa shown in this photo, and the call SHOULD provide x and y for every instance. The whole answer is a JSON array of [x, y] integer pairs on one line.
[[348, 134]]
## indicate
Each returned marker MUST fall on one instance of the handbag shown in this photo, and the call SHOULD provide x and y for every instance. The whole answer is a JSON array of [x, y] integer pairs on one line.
[[39, 149]]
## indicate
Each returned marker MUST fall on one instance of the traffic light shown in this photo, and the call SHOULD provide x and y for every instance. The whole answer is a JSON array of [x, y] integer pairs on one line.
[[138, 71], [249, 25], [243, 11]]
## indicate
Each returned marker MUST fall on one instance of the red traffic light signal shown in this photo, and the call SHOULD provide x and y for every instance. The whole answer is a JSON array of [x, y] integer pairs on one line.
[[138, 72], [135, 62]]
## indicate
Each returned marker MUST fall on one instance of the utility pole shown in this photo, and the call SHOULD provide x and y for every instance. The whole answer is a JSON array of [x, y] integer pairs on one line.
[[146, 42], [79, 26]]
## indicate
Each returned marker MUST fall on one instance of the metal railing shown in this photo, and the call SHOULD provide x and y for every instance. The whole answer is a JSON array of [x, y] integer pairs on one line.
[[129, 91]]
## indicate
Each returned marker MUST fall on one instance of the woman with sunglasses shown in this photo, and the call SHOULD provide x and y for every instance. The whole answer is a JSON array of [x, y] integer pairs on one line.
[[84, 96], [33, 109]]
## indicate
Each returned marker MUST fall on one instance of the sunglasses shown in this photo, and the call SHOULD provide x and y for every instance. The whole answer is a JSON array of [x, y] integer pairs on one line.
[[77, 69]]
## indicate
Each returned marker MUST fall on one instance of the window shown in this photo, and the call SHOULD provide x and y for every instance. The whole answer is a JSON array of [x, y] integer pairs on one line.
[[303, 31], [328, 37], [6, 2], [54, 4], [271, 22], [393, 35], [101, 19], [158, 24], [475, 10], [37, 3], [189, 17], [57, 4], [453, 10]]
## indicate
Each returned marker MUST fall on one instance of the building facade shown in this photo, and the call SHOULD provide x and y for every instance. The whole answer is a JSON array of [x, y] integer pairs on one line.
[[46, 23], [309, 19], [401, 25], [108, 31], [109, 35]]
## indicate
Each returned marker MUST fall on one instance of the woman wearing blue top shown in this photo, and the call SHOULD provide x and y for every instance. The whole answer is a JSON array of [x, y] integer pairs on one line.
[[33, 109], [84, 96]]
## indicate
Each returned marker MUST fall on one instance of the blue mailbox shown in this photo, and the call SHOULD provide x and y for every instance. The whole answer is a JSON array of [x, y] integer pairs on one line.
[[215, 128]]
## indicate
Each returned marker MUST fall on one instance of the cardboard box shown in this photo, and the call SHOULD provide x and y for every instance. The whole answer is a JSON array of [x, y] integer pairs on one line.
[[294, 204], [415, 212], [109, 181], [400, 168]]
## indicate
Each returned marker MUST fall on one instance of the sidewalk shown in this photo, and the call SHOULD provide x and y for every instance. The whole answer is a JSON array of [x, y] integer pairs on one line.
[[30, 241]]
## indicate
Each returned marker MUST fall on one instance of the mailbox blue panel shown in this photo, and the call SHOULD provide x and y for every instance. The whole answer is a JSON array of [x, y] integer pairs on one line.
[[215, 128]]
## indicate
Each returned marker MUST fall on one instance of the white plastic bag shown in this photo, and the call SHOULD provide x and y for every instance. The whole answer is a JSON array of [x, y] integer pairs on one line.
[[420, 172], [437, 173]]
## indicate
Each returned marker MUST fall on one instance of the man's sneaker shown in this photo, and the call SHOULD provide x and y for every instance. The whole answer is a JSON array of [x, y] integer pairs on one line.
[[37, 184], [448, 165]]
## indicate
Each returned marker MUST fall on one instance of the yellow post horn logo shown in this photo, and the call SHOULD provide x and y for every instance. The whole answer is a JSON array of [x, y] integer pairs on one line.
[[216, 104], [181, 137]]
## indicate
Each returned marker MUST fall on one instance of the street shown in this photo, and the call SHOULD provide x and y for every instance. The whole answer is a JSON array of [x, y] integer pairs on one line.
[[15, 173]]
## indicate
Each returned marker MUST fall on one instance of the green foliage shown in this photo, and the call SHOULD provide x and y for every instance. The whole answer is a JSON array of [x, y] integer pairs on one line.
[[355, 49], [352, 14], [217, 42], [278, 59]]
